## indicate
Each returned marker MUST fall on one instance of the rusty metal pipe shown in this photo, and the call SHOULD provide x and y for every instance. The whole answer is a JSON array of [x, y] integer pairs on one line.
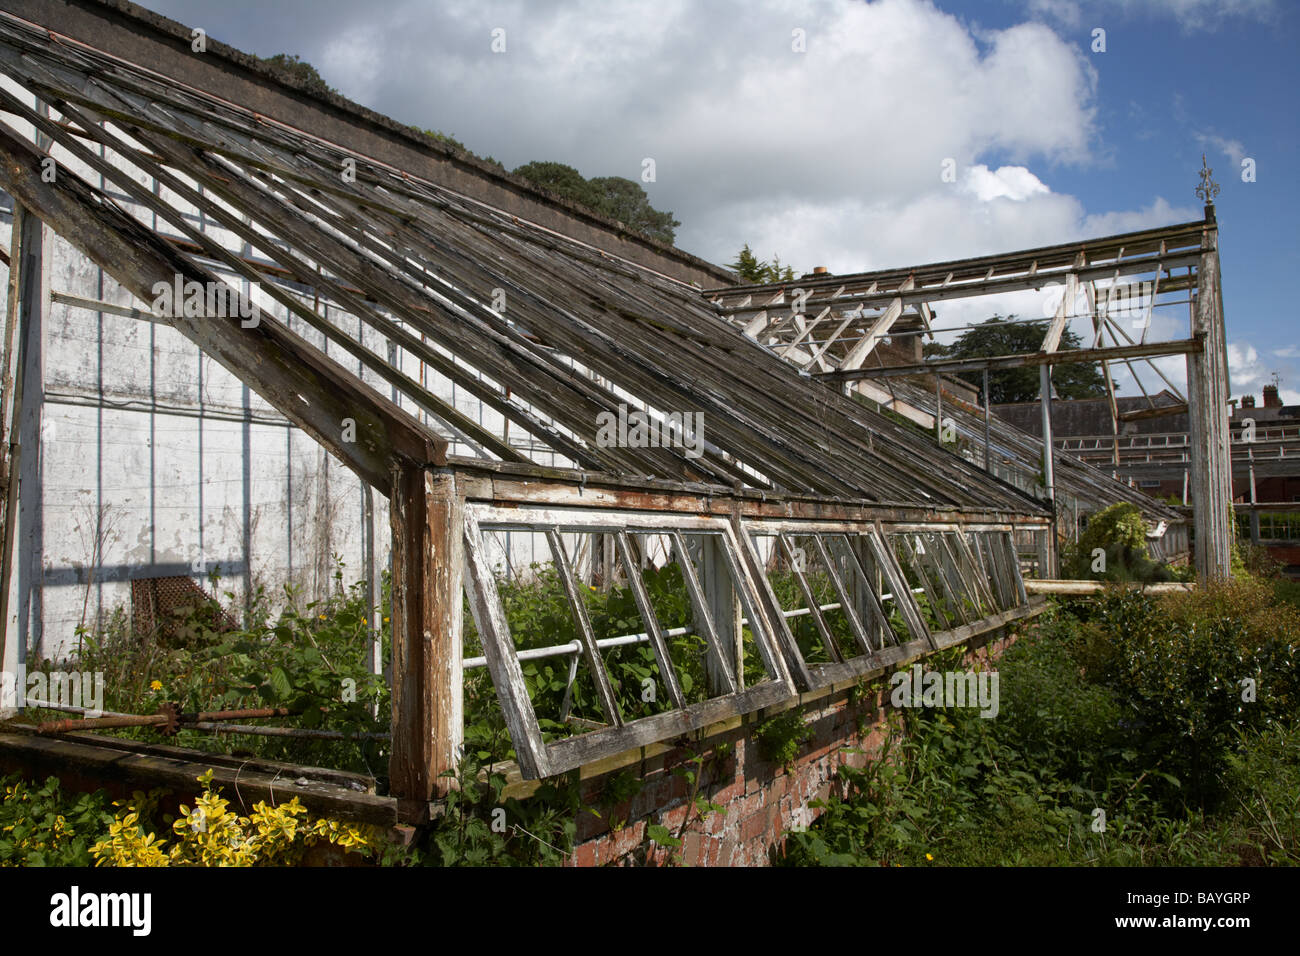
[[100, 723], [168, 717], [249, 714]]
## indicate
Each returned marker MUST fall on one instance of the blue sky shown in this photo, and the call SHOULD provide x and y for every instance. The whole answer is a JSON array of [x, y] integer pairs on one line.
[[831, 155]]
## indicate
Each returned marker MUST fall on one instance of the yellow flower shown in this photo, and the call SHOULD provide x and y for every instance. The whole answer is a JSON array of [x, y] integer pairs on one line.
[[929, 857], [155, 685]]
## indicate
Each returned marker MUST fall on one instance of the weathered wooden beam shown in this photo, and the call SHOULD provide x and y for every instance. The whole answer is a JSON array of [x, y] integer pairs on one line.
[[582, 624], [1207, 399], [1061, 586], [667, 673], [1160, 411], [309, 389], [858, 354], [1049, 466], [814, 609], [13, 645], [1065, 357], [1152, 243], [724, 606], [721, 673], [428, 523], [502, 659], [1053, 337], [847, 592]]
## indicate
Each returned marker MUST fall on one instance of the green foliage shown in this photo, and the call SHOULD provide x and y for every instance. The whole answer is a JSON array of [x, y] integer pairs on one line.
[[311, 658], [1177, 669], [213, 835], [750, 268], [300, 70], [998, 336], [694, 772], [617, 790], [448, 140], [1121, 533], [538, 615], [42, 826], [612, 196], [780, 737], [1127, 704], [480, 826], [442, 137]]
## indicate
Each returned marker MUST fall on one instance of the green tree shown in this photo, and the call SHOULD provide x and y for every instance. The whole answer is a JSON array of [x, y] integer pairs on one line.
[[627, 202], [558, 178], [612, 196], [300, 70], [753, 269], [999, 336]]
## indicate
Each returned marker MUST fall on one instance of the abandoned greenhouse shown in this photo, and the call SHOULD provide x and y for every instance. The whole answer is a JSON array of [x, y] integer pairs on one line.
[[258, 338]]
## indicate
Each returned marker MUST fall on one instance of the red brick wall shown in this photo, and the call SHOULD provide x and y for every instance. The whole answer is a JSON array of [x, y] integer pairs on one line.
[[760, 798]]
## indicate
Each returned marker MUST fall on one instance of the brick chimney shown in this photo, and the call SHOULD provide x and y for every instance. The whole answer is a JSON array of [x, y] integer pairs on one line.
[[1270, 397], [1248, 401]]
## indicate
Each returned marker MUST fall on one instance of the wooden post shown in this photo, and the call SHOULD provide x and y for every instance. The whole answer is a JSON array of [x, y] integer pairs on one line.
[[938, 411], [374, 583], [25, 399], [1207, 401], [428, 522], [12, 647], [724, 608], [1048, 551], [1254, 514], [988, 466]]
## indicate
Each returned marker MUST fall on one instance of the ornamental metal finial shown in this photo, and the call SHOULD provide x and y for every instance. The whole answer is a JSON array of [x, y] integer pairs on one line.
[[1208, 188]]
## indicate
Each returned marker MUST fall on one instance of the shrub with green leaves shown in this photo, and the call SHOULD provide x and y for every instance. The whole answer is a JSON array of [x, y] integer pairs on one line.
[[1128, 705], [40, 825], [1120, 532]]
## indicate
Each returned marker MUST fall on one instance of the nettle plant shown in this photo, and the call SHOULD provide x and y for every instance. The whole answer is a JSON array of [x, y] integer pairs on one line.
[[700, 806]]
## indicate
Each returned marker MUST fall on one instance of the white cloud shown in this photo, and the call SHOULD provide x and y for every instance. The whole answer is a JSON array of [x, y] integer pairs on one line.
[[1009, 182], [1231, 148], [832, 156], [1249, 373], [1191, 15], [1065, 12]]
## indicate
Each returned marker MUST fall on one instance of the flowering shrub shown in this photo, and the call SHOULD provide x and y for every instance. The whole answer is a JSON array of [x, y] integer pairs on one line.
[[211, 834]]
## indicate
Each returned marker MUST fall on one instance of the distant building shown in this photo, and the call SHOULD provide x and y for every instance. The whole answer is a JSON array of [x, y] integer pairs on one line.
[[1152, 448]]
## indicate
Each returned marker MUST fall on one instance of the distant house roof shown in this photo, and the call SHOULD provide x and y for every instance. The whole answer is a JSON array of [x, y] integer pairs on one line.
[[1091, 416]]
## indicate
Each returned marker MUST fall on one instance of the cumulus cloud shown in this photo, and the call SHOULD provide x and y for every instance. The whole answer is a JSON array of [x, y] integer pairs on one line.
[[1009, 182], [819, 132], [1249, 373]]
